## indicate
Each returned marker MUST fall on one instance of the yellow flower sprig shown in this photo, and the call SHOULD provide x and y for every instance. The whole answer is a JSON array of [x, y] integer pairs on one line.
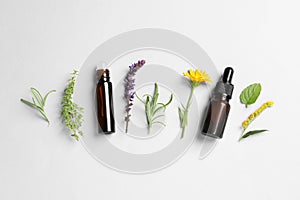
[[196, 78], [251, 117]]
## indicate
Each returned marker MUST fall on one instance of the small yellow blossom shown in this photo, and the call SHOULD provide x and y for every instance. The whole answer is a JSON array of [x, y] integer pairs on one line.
[[251, 117], [197, 76]]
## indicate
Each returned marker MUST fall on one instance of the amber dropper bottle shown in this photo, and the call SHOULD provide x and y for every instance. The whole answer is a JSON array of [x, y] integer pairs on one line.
[[105, 107], [218, 110]]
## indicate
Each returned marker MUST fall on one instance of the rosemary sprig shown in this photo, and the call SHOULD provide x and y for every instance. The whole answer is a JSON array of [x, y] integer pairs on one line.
[[152, 107], [72, 112], [38, 102]]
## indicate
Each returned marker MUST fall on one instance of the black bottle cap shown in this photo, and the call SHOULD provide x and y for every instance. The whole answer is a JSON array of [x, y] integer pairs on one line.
[[224, 85], [227, 75], [227, 78]]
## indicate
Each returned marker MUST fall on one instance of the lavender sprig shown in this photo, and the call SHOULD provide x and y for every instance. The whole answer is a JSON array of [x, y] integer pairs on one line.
[[129, 87]]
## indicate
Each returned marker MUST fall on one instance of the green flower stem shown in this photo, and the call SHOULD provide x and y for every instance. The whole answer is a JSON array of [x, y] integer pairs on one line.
[[184, 119]]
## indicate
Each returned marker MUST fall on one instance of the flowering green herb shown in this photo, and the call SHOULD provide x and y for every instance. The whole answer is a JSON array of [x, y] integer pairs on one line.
[[253, 116], [129, 87], [152, 107], [196, 77], [250, 94], [72, 112], [38, 102]]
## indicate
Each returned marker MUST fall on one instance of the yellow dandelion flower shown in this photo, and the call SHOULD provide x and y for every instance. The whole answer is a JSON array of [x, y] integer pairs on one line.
[[197, 76], [251, 117]]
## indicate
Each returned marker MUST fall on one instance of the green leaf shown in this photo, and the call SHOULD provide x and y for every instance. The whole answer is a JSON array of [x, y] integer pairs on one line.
[[252, 133], [180, 114], [157, 122], [38, 97], [155, 94], [46, 96], [170, 100], [148, 109], [28, 103], [250, 94], [156, 117], [158, 109], [140, 99]]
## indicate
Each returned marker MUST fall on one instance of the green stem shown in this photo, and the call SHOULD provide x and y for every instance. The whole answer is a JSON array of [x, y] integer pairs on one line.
[[186, 110], [127, 121], [190, 98]]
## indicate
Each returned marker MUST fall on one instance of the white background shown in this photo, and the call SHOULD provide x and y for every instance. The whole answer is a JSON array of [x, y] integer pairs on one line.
[[42, 41]]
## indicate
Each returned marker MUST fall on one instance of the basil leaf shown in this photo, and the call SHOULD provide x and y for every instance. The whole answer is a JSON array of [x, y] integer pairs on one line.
[[250, 94], [252, 133]]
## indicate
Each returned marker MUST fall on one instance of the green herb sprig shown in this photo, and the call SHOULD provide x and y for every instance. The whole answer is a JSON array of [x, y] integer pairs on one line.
[[152, 107], [38, 102], [72, 112]]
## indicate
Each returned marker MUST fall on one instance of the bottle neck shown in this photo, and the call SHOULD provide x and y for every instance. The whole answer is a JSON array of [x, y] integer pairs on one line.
[[220, 97], [103, 75], [104, 79]]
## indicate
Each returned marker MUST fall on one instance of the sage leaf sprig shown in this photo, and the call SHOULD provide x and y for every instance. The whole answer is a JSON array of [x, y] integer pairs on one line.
[[38, 102], [252, 133], [72, 112], [152, 107], [250, 94]]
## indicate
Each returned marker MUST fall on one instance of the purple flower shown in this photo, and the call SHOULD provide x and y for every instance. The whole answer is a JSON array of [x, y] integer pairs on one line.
[[129, 87]]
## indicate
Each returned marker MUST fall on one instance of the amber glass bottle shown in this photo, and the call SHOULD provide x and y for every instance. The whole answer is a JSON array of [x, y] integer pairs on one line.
[[105, 108], [218, 110]]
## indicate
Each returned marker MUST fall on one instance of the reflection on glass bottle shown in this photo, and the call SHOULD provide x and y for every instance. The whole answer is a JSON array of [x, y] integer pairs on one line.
[[218, 110], [105, 108]]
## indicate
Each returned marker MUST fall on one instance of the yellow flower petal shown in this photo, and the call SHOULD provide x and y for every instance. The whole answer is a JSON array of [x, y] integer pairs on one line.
[[197, 76]]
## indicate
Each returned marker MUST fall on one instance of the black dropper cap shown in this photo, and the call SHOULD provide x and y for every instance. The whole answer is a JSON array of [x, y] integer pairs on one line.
[[227, 77], [224, 86]]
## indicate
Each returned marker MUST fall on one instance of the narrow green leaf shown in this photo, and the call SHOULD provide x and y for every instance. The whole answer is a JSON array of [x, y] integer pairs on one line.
[[155, 94], [180, 114], [44, 115], [141, 100], [147, 95], [252, 133], [156, 117], [148, 109], [38, 97], [184, 119], [158, 109], [28, 103], [157, 122], [170, 100], [46, 96], [250, 94]]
